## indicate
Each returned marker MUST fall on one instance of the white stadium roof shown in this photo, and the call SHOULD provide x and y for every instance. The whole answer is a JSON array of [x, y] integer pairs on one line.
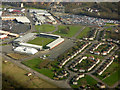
[[23, 19], [55, 43], [27, 50], [31, 45]]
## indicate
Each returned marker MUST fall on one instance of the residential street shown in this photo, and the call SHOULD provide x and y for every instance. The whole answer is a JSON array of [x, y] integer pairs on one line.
[[54, 53]]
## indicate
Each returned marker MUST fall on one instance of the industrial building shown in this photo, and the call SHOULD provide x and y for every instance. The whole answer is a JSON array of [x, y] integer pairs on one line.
[[37, 11], [20, 19], [42, 17], [27, 50], [8, 33], [23, 20], [3, 36]]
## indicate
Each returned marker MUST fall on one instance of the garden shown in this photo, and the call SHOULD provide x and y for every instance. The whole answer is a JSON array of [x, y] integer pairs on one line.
[[87, 80]]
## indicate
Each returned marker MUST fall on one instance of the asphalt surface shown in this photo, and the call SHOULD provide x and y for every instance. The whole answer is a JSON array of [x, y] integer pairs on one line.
[[58, 50]]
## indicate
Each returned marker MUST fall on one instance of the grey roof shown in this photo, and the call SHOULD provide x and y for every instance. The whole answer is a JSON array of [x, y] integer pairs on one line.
[[25, 38]]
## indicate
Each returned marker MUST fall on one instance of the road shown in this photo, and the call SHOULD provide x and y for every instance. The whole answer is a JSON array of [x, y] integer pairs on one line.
[[116, 84], [109, 55], [54, 53], [31, 21], [72, 74], [98, 80], [60, 84]]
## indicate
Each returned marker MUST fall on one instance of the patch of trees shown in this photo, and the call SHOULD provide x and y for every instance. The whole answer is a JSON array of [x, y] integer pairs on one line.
[[101, 34], [44, 64], [91, 33], [65, 30], [113, 35], [108, 10]]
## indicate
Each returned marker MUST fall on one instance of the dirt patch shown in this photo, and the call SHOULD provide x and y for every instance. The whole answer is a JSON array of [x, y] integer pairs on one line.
[[17, 56]]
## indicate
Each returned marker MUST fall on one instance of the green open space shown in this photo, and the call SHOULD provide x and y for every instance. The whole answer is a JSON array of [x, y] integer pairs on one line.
[[17, 77], [112, 34], [113, 78], [110, 24], [111, 75], [84, 64], [34, 64], [84, 81], [44, 28], [84, 33], [44, 67], [72, 30], [42, 41], [110, 28]]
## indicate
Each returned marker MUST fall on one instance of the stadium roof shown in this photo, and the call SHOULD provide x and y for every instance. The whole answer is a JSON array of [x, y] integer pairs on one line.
[[27, 50], [55, 43], [50, 35], [31, 45], [23, 19], [25, 37]]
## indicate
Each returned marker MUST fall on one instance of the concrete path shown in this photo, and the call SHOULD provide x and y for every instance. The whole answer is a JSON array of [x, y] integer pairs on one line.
[[74, 37], [56, 28]]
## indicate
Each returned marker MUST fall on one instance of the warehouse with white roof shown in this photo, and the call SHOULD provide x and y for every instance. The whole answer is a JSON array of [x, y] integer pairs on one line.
[[23, 20], [3, 36]]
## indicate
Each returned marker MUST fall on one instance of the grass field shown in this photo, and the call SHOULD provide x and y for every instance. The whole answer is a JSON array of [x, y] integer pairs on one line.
[[34, 65], [84, 81], [45, 28], [73, 30], [113, 78], [41, 41], [109, 24], [19, 75], [112, 72], [96, 56], [113, 67], [110, 28], [84, 33]]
